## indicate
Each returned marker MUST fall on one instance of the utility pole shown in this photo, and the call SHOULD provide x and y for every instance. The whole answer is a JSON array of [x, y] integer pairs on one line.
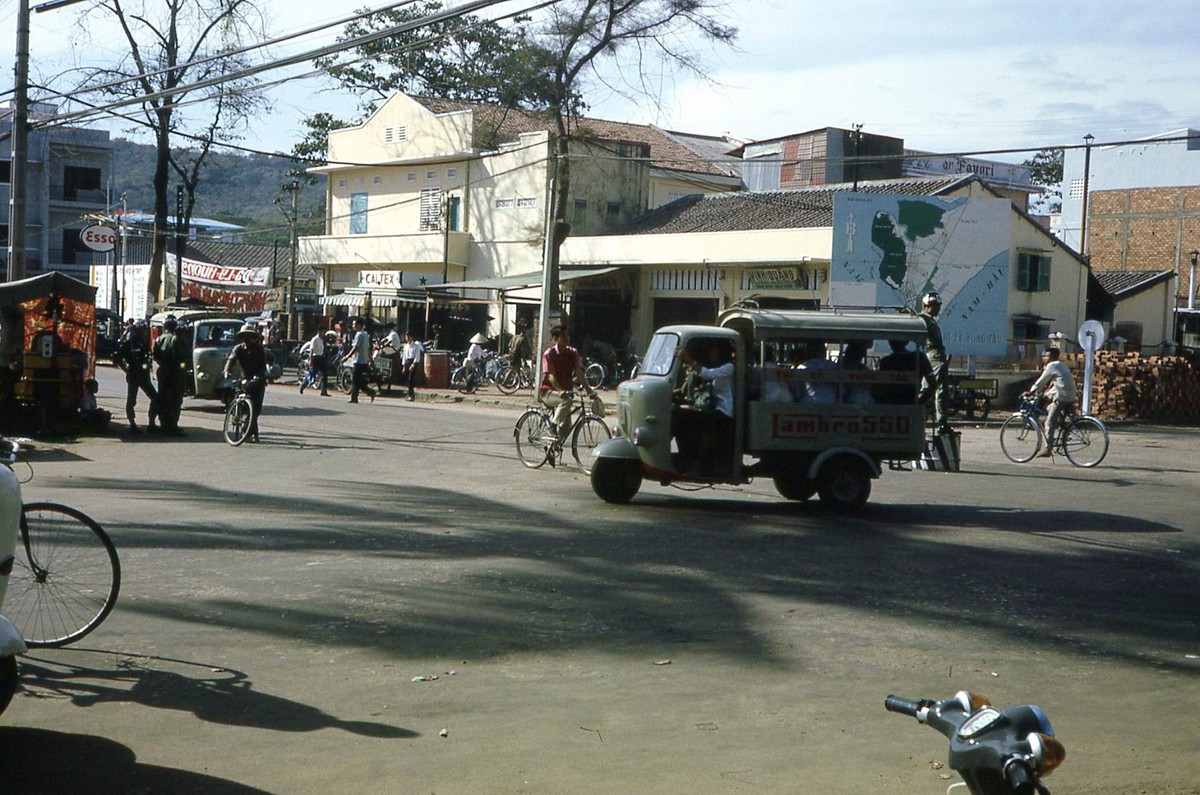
[[1087, 172], [293, 326], [18, 177], [857, 137], [179, 238]]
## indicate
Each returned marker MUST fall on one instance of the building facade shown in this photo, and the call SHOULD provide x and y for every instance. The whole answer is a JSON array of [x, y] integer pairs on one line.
[[1143, 208], [68, 180]]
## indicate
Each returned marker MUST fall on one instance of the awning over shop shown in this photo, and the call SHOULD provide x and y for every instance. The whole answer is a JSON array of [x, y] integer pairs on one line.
[[519, 281], [355, 296]]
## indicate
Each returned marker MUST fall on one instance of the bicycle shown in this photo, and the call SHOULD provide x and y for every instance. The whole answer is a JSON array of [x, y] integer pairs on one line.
[[239, 414], [66, 575], [537, 443], [515, 377], [1082, 438]]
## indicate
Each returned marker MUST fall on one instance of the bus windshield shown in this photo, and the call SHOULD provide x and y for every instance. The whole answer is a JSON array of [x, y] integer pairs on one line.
[[661, 354]]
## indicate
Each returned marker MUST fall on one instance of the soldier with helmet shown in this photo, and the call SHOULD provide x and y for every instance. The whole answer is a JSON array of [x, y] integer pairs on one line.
[[133, 356], [935, 351], [169, 356]]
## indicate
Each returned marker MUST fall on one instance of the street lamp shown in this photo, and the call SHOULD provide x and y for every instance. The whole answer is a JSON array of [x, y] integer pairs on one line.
[[1087, 170]]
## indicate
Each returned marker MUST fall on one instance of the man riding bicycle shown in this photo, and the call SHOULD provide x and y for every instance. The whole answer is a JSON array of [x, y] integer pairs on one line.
[[1059, 390], [250, 355], [561, 367]]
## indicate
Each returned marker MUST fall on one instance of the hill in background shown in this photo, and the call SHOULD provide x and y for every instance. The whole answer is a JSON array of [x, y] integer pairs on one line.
[[235, 188]]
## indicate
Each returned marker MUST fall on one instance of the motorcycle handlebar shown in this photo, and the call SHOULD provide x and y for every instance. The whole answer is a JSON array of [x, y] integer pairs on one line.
[[902, 705]]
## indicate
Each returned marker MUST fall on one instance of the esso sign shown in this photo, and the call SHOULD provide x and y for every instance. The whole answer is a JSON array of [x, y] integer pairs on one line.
[[98, 238]]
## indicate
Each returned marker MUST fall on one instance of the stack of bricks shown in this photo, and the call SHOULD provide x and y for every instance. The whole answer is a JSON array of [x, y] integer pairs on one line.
[[1127, 386]]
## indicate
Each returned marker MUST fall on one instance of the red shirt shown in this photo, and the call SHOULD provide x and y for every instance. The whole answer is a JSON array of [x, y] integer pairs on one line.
[[562, 364]]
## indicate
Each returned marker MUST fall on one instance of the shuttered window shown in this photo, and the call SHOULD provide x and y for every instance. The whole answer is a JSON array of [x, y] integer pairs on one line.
[[431, 210]]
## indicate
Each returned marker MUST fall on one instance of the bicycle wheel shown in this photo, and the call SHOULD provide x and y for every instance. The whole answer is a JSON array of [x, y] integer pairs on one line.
[[1085, 441], [979, 407], [345, 380], [589, 433], [237, 420], [1020, 438], [531, 435], [593, 374], [66, 576], [508, 381]]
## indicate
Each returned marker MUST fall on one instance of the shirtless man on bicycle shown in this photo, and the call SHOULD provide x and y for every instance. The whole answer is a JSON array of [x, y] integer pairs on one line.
[[1058, 387]]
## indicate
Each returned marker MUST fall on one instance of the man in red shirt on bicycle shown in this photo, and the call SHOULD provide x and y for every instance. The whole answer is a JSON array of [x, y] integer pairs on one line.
[[561, 366]]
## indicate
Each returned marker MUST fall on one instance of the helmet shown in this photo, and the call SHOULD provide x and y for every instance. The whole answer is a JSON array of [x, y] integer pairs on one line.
[[248, 329], [170, 323], [931, 298]]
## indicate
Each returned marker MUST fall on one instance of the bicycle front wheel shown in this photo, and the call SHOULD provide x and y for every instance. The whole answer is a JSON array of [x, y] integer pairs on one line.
[[532, 437], [237, 420], [1085, 441], [589, 433], [65, 578], [1020, 438]]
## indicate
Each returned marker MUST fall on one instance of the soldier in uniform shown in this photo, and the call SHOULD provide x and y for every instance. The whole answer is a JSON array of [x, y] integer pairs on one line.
[[935, 351], [168, 355], [133, 356]]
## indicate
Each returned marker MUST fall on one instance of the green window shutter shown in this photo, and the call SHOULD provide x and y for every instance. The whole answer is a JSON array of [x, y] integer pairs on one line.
[[1043, 274], [1023, 272]]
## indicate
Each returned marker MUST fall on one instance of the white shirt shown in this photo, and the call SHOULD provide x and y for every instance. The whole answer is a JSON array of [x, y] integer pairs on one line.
[[316, 346], [360, 348], [392, 342], [819, 392], [475, 352], [1058, 377], [413, 351], [722, 386]]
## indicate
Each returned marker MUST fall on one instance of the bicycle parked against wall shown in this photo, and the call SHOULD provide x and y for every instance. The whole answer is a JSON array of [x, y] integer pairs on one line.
[[66, 574], [1082, 438], [537, 443]]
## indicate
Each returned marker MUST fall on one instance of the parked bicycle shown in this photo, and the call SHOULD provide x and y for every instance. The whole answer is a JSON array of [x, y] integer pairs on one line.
[[66, 574], [468, 379], [1082, 438], [239, 414], [537, 443], [515, 377]]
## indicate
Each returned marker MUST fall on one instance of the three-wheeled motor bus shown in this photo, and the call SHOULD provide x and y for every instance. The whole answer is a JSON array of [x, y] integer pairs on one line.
[[816, 406], [208, 336]]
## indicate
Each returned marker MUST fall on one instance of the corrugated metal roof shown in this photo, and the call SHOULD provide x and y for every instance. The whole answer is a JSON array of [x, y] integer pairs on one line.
[[780, 209]]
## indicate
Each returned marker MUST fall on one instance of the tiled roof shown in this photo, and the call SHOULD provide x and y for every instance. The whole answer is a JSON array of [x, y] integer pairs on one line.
[[780, 209], [494, 126], [1122, 284]]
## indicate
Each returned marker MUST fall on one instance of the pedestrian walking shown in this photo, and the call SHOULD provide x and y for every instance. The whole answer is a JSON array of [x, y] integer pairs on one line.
[[359, 357], [316, 365], [414, 362]]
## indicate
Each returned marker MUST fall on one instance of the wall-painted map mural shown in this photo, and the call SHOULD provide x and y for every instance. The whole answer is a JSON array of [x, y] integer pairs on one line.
[[888, 250]]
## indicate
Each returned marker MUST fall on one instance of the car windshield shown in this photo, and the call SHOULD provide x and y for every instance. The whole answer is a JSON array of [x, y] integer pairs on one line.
[[661, 354], [217, 333]]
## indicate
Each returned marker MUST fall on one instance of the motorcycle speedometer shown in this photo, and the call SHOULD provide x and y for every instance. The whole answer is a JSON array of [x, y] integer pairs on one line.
[[981, 721]]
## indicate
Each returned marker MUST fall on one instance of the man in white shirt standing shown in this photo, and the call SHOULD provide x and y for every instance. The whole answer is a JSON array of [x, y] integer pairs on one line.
[[413, 358], [359, 357], [1059, 388]]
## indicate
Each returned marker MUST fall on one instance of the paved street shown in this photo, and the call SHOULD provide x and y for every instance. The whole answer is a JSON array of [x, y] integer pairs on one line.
[[380, 599]]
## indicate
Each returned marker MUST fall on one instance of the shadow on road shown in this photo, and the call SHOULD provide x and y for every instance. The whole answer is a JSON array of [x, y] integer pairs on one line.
[[211, 693], [39, 762]]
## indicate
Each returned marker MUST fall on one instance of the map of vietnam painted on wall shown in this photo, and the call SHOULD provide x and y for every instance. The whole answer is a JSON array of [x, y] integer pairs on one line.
[[889, 249]]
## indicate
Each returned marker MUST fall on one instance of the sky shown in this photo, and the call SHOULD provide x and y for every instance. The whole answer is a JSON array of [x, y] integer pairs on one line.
[[957, 76]]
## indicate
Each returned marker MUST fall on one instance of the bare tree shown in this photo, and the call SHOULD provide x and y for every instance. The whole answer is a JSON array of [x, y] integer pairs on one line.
[[579, 34], [172, 45]]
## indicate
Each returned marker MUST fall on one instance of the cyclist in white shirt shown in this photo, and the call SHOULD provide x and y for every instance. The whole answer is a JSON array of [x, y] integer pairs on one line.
[[1059, 389]]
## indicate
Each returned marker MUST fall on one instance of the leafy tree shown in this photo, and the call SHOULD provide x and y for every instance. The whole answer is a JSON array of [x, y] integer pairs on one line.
[[1046, 170], [173, 45], [579, 34]]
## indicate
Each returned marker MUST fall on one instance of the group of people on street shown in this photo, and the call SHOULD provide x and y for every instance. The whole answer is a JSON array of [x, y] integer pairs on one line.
[[137, 356], [325, 355]]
